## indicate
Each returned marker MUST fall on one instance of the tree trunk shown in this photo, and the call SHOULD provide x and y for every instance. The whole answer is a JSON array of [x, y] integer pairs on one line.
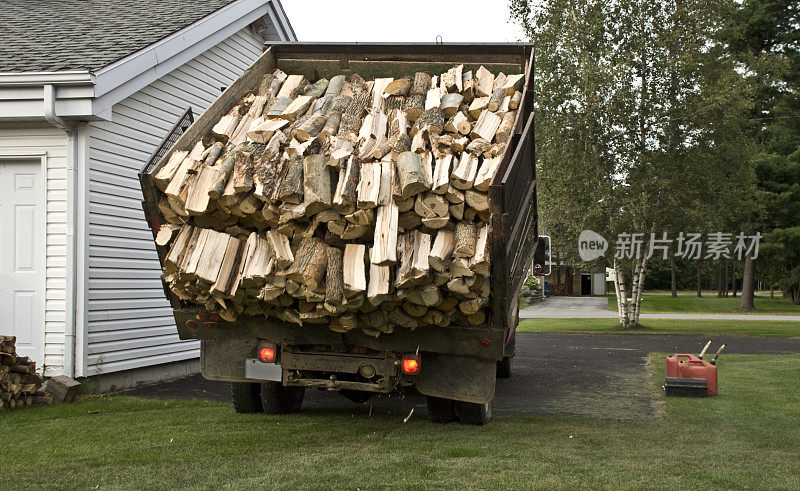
[[748, 276], [625, 305], [699, 282], [674, 282], [727, 280], [733, 279], [637, 296], [618, 292], [634, 292], [771, 291]]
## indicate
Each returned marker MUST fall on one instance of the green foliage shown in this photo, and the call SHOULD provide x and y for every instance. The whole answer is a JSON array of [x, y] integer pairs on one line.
[[687, 302], [764, 35], [531, 283], [640, 116], [702, 327]]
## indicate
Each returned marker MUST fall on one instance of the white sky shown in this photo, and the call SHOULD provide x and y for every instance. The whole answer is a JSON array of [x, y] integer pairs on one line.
[[401, 21]]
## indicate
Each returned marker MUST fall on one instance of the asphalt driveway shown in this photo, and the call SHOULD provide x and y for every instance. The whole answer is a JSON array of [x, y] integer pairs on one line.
[[601, 376]]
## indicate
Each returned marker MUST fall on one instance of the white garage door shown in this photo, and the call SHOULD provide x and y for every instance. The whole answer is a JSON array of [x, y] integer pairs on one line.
[[21, 264]]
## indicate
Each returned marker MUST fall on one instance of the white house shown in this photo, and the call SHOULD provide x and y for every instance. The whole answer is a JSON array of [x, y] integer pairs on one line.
[[88, 90]]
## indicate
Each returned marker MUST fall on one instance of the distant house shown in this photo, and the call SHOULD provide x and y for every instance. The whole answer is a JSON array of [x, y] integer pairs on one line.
[[88, 90], [564, 280]]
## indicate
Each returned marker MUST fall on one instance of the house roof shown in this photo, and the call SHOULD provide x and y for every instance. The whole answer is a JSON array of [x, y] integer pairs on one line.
[[61, 35]]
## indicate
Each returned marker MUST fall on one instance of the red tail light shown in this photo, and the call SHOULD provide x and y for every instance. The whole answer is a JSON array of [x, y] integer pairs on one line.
[[266, 352], [411, 365]]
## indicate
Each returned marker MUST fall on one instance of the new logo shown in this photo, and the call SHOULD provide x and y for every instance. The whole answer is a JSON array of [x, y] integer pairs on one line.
[[591, 245]]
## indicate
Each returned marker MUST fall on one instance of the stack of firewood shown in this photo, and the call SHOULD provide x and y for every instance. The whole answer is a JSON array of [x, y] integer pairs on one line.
[[19, 383], [351, 203]]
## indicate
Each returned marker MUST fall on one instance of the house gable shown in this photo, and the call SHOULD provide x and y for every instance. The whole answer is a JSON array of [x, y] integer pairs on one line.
[[129, 322]]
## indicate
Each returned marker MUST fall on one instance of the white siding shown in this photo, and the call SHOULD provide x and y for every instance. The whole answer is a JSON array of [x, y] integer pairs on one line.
[[38, 138], [130, 323]]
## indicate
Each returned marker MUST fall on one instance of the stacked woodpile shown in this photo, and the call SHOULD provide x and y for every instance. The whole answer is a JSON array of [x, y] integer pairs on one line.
[[344, 202], [19, 383]]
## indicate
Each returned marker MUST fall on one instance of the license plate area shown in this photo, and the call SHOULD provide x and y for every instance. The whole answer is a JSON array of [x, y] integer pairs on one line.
[[256, 370]]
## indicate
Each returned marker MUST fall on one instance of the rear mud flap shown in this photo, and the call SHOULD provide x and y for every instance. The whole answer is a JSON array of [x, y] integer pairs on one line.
[[224, 359], [457, 377]]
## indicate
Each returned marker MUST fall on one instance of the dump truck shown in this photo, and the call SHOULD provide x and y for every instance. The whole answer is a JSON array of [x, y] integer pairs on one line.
[[270, 362]]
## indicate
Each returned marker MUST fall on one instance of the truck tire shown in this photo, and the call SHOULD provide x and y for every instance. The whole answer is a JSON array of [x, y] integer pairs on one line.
[[471, 413], [504, 367], [246, 397], [441, 410], [277, 399]]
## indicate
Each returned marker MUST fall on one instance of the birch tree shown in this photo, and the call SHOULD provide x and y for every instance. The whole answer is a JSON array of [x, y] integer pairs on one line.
[[636, 103]]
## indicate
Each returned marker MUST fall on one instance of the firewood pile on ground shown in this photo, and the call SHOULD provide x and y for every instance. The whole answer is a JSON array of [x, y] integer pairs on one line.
[[20, 385]]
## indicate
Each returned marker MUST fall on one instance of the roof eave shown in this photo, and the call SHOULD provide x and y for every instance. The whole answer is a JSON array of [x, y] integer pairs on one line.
[[134, 72], [46, 78]]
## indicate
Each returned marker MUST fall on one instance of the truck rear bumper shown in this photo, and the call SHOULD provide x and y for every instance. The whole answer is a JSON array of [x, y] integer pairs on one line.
[[463, 378]]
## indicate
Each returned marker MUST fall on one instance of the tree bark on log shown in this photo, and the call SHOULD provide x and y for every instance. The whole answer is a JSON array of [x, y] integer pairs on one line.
[[335, 85], [433, 119], [464, 239], [414, 106], [291, 188], [316, 184], [310, 264], [334, 281], [411, 175], [311, 127], [506, 127], [421, 84], [344, 200], [468, 86], [450, 104]]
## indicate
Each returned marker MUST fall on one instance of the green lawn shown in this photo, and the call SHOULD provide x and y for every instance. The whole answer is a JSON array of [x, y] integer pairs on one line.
[[746, 437], [780, 329], [687, 302]]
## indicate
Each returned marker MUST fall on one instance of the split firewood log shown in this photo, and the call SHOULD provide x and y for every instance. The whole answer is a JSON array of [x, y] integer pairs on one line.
[[354, 278], [411, 174], [464, 240]]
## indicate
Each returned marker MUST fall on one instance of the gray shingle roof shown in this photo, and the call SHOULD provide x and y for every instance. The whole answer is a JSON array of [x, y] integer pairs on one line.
[[57, 35]]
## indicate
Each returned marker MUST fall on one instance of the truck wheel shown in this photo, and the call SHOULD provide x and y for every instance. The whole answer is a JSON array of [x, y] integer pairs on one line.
[[246, 397], [504, 367], [277, 399], [441, 410], [470, 413]]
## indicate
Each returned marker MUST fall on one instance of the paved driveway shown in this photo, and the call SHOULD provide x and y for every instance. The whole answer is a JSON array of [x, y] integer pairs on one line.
[[601, 376], [568, 308], [597, 308]]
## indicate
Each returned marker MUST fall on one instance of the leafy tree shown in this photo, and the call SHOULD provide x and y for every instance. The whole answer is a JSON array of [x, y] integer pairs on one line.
[[639, 121], [765, 37], [779, 187]]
